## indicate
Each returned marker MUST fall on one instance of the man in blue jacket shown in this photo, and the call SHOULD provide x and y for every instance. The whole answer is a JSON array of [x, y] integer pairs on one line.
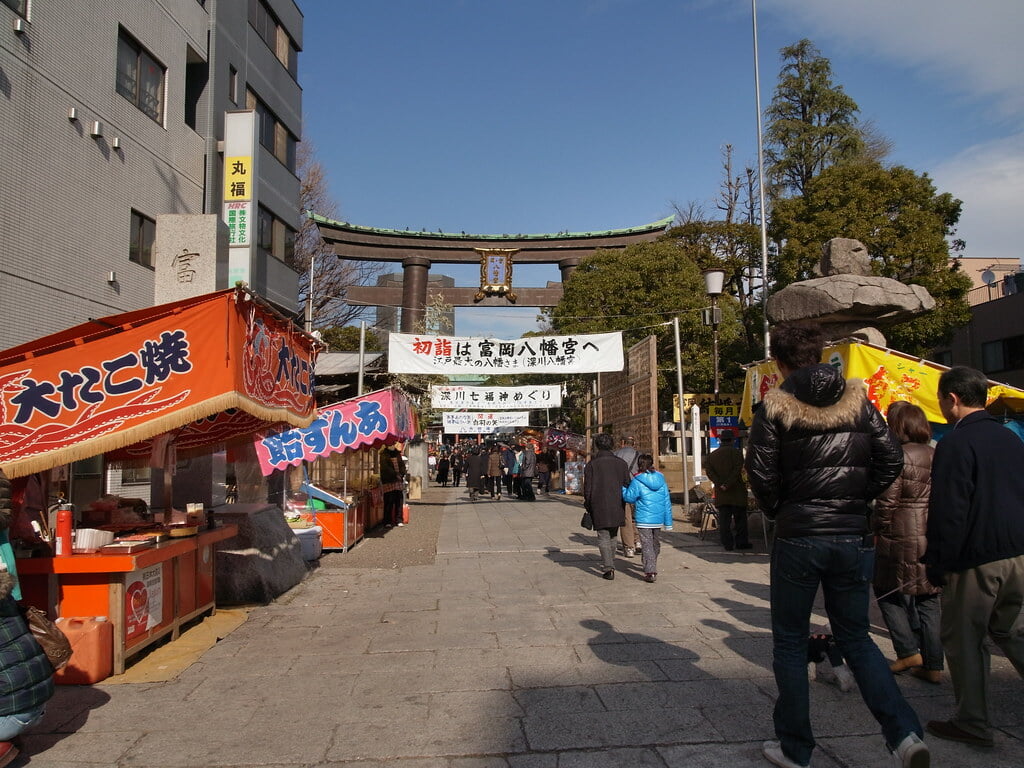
[[975, 548]]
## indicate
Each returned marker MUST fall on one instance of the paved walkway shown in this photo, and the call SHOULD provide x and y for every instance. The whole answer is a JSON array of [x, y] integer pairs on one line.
[[506, 651]]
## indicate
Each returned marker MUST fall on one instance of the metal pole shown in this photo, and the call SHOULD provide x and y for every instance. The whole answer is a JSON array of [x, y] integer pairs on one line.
[[309, 297], [682, 420], [714, 338], [760, 186], [362, 356]]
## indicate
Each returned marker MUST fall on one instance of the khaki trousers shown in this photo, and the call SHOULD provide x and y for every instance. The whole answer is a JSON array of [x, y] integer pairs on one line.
[[977, 603], [628, 533]]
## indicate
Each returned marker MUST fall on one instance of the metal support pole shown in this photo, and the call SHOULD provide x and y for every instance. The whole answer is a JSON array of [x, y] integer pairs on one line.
[[362, 357], [309, 297], [714, 339], [682, 420], [760, 186]]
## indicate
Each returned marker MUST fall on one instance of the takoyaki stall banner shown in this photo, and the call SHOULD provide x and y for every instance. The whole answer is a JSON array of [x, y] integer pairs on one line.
[[495, 398], [211, 368], [889, 376], [585, 353], [384, 416], [484, 423]]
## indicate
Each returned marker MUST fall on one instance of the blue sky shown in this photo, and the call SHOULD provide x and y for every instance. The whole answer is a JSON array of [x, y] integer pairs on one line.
[[531, 116]]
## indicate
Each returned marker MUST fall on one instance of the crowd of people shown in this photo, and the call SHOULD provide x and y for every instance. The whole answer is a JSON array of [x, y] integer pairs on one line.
[[495, 469]]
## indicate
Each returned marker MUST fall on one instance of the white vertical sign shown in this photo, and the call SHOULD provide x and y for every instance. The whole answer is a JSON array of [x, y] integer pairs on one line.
[[240, 191]]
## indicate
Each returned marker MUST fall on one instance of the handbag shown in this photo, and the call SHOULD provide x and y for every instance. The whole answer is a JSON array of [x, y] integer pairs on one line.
[[587, 521], [54, 643]]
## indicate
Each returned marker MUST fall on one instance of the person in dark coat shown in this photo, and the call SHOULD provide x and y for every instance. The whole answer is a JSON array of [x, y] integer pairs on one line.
[[818, 453], [26, 675], [392, 482], [458, 463], [527, 470], [910, 605], [975, 548], [443, 465], [476, 471], [604, 477], [724, 466]]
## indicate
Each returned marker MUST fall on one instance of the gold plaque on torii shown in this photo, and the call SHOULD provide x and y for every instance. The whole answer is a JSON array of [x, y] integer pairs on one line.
[[496, 273]]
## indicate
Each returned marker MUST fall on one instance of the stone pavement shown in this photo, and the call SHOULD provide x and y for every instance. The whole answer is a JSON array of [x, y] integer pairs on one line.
[[504, 650]]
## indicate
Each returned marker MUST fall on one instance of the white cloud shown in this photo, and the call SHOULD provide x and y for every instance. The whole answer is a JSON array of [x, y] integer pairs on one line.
[[989, 178], [972, 47]]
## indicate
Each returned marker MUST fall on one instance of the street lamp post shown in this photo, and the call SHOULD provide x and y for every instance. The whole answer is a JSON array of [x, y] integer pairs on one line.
[[713, 282]]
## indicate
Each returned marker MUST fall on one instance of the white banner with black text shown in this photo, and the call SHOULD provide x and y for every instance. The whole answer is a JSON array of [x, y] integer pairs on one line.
[[453, 396], [584, 353]]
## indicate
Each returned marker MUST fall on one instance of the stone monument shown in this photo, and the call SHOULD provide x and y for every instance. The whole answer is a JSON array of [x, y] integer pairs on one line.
[[847, 300]]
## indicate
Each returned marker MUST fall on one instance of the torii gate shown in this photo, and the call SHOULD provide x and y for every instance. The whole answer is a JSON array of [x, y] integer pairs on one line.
[[417, 251]]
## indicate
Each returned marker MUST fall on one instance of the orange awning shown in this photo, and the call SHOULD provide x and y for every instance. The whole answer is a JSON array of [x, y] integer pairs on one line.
[[210, 367]]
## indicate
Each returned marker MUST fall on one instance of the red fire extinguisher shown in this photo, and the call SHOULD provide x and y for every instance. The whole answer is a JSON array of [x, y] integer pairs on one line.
[[62, 537]]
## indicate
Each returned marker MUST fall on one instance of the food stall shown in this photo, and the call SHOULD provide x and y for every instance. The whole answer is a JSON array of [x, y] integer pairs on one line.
[[351, 431], [147, 386], [889, 375]]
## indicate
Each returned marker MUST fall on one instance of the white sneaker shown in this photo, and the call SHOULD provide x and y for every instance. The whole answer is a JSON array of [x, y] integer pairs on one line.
[[772, 750], [401, 525], [844, 678], [629, 552], [912, 752]]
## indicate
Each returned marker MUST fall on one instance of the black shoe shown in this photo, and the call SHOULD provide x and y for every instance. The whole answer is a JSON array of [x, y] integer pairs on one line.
[[609, 575], [744, 546], [727, 549], [945, 729]]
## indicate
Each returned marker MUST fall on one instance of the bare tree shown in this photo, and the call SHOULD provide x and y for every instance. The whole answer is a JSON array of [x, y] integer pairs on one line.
[[332, 276]]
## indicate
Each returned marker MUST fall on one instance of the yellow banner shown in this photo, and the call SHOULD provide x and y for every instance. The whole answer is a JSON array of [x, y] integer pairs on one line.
[[704, 401], [238, 179], [888, 375]]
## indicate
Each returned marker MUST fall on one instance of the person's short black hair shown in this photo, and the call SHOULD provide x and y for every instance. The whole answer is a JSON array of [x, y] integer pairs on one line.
[[644, 462], [603, 441], [726, 437], [797, 346], [969, 384]]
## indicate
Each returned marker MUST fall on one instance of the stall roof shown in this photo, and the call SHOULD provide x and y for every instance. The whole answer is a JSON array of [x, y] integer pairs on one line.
[[208, 369], [342, 363]]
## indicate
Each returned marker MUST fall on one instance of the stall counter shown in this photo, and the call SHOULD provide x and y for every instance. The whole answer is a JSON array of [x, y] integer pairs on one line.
[[146, 595]]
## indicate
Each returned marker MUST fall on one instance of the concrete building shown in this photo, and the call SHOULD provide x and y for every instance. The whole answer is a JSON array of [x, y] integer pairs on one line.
[[111, 115], [993, 341]]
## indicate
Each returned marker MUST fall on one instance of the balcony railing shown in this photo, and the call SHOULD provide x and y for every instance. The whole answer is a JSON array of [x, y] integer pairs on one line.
[[1008, 286]]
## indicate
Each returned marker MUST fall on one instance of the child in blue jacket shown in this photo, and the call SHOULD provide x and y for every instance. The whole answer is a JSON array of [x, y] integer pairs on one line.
[[652, 511]]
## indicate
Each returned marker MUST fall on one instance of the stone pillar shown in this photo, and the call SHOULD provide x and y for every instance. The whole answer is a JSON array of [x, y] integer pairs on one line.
[[414, 292], [567, 266]]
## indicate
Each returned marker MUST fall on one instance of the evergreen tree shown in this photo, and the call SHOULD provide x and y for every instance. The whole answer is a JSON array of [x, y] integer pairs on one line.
[[812, 123]]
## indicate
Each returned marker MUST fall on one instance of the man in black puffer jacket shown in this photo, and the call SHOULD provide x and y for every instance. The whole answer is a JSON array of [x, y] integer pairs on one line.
[[818, 453]]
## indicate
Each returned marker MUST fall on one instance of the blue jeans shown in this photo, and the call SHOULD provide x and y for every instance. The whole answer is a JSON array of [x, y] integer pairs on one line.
[[843, 566], [12, 725]]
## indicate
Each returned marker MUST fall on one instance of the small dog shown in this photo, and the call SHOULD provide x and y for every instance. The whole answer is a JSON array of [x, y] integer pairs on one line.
[[825, 662]]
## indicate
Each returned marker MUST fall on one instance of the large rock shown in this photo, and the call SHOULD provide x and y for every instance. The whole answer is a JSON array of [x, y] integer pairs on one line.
[[263, 561], [848, 298], [844, 256]]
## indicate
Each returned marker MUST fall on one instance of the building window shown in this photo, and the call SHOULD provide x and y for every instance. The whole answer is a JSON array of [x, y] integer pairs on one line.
[[274, 237], [1003, 355], [140, 77], [274, 35], [233, 85], [143, 235], [273, 133], [135, 476], [20, 7]]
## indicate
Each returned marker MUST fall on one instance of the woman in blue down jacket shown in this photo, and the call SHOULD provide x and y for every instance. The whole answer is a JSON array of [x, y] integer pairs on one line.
[[652, 510]]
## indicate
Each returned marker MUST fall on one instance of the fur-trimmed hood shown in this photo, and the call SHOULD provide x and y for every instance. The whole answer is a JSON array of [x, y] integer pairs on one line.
[[816, 397]]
